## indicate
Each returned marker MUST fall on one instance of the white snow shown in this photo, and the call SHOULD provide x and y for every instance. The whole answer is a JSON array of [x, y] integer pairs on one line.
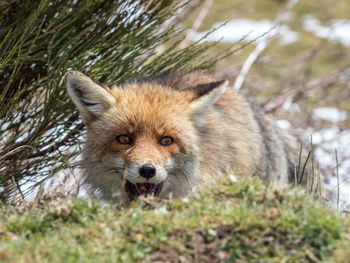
[[290, 106], [248, 30], [232, 178], [344, 193], [327, 141], [338, 30], [283, 124], [329, 114]]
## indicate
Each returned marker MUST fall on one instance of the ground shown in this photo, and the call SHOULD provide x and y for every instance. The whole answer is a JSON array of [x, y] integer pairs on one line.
[[245, 221]]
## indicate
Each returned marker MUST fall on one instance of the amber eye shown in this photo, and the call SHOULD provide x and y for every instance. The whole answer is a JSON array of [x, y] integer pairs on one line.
[[166, 141], [124, 139]]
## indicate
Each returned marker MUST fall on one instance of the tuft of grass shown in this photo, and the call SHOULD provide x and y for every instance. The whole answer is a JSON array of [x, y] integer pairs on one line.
[[242, 222]]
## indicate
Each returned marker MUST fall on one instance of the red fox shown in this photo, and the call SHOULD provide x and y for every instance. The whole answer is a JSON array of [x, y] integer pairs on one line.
[[171, 135]]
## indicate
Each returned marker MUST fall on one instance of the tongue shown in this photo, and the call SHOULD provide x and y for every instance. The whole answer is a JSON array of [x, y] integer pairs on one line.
[[144, 188]]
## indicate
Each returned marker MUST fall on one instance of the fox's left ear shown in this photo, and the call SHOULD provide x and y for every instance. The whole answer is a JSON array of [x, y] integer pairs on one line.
[[91, 99], [206, 96]]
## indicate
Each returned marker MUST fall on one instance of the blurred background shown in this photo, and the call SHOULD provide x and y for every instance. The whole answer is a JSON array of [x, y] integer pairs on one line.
[[297, 58], [291, 56]]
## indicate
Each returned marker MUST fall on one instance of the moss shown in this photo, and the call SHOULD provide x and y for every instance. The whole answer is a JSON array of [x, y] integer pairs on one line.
[[245, 221]]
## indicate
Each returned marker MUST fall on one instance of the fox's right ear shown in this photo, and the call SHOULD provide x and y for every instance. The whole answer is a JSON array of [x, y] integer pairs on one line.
[[90, 98], [206, 96]]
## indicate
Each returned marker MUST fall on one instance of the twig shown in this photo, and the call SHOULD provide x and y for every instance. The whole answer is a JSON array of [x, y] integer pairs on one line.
[[338, 192], [232, 71], [229, 73], [262, 45], [13, 147], [190, 8], [299, 163], [14, 151], [314, 84], [197, 23], [185, 9], [303, 171], [51, 148]]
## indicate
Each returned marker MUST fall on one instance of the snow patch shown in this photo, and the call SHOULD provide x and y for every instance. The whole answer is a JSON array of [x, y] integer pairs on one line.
[[344, 193], [290, 106], [283, 124], [327, 141], [329, 114], [339, 30], [232, 178], [248, 30]]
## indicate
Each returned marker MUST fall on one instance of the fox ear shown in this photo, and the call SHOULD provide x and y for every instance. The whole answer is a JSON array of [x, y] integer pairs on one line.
[[90, 98], [206, 96]]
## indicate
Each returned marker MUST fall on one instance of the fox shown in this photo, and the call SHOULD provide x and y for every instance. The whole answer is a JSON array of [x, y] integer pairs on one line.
[[173, 135]]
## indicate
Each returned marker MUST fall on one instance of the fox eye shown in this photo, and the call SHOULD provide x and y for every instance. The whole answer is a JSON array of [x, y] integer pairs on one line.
[[124, 139], [166, 141]]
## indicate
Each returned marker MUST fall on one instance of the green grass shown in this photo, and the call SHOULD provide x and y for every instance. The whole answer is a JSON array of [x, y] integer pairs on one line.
[[242, 222]]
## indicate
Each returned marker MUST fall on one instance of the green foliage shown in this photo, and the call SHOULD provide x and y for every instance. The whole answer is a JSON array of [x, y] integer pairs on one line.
[[111, 41], [247, 221]]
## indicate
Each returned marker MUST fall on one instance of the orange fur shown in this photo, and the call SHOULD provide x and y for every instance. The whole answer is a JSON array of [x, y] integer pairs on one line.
[[212, 134]]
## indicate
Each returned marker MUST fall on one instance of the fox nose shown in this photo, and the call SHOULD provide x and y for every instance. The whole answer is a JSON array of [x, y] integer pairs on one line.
[[147, 170]]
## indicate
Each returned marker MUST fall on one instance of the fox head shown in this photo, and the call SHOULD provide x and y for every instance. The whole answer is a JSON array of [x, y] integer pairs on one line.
[[143, 138]]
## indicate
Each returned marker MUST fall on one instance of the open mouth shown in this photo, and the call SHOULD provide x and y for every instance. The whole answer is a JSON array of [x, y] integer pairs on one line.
[[135, 190]]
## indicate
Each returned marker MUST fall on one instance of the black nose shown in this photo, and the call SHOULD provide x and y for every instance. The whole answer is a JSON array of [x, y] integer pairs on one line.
[[147, 170]]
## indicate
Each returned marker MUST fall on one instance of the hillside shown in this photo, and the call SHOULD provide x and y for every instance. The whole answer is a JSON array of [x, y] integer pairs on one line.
[[235, 222]]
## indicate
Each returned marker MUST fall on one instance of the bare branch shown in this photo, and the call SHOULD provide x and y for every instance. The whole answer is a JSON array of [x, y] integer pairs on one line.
[[197, 23], [318, 84], [192, 6], [232, 71], [263, 44]]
